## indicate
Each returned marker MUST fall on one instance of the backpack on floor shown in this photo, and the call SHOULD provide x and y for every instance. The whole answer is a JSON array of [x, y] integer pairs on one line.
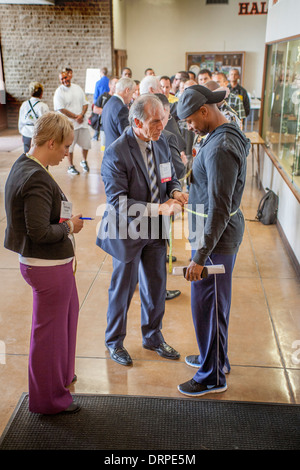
[[268, 208]]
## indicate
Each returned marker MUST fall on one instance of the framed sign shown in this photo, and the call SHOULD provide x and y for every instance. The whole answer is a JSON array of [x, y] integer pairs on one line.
[[215, 61], [91, 77]]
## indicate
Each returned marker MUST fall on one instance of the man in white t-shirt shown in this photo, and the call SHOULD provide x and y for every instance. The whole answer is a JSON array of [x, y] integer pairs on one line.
[[69, 99]]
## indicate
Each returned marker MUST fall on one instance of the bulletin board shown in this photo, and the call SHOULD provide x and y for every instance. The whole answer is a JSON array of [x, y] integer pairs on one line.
[[215, 61]]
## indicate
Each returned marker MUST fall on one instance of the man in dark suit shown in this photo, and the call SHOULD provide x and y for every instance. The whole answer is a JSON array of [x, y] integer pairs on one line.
[[115, 113], [141, 187]]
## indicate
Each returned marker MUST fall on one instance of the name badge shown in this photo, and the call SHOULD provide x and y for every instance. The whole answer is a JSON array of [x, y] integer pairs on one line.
[[66, 210], [165, 172]]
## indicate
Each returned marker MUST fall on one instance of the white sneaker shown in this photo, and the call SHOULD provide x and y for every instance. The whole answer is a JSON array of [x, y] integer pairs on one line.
[[85, 166], [72, 170]]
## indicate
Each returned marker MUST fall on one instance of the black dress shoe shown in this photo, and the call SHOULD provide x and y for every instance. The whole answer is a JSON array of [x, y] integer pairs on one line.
[[72, 409], [119, 355], [164, 350], [171, 294], [73, 381], [174, 259]]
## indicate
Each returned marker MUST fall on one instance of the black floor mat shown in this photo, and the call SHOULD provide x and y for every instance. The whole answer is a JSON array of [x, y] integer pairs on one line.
[[116, 422]]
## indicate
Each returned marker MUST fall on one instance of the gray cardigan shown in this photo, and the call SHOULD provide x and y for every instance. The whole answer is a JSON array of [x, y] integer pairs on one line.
[[33, 205]]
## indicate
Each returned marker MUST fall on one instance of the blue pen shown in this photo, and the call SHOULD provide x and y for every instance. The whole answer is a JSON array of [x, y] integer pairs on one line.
[[86, 218]]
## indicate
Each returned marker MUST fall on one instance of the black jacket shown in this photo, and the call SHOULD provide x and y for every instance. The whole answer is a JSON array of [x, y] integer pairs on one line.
[[240, 91], [33, 205], [175, 153], [114, 119], [218, 180]]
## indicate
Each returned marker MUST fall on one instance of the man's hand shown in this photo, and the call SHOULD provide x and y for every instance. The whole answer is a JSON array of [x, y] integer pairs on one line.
[[193, 272], [79, 118], [183, 157], [170, 207], [180, 197]]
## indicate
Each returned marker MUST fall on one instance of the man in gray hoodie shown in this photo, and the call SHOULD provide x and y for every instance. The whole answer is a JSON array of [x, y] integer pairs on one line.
[[217, 184]]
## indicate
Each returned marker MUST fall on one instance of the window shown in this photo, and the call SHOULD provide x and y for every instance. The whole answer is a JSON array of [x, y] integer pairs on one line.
[[281, 111]]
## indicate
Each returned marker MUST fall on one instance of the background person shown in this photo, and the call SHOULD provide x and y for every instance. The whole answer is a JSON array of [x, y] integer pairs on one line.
[[126, 72], [204, 76], [115, 113], [233, 100], [29, 113], [102, 85], [236, 88], [98, 108], [34, 206], [70, 100]]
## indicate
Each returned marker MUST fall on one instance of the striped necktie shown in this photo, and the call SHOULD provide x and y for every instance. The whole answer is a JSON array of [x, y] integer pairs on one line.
[[152, 175]]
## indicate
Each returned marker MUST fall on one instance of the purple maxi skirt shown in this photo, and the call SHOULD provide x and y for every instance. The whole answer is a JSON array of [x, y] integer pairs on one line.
[[53, 336]]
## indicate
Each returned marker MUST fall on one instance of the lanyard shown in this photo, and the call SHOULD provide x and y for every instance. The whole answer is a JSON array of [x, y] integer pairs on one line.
[[37, 161], [46, 169]]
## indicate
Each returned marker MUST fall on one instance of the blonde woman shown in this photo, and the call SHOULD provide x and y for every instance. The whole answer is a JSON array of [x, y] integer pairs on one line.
[[40, 230]]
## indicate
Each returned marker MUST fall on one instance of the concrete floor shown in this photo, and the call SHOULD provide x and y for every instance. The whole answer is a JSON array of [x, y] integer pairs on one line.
[[264, 333]]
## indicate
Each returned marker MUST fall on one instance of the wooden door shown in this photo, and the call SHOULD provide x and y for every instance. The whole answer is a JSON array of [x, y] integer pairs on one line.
[[120, 61]]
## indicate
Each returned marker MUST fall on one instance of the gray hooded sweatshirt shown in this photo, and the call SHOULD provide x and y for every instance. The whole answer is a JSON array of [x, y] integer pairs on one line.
[[217, 185]]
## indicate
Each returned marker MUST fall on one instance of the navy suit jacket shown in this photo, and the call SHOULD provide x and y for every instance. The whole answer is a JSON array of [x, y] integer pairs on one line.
[[125, 175], [114, 119]]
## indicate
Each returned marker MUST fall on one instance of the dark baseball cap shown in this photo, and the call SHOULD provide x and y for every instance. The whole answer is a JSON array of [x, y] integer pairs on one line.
[[196, 96]]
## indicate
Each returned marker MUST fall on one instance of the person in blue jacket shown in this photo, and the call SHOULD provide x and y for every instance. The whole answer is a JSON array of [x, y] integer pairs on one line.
[[217, 184], [102, 85]]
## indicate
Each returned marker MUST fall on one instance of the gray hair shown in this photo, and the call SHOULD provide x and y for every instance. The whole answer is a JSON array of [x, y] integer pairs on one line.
[[124, 83], [138, 111], [150, 81]]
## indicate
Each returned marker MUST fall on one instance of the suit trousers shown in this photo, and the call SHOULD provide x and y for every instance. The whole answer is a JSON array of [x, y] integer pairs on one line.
[[210, 303], [53, 336], [149, 268]]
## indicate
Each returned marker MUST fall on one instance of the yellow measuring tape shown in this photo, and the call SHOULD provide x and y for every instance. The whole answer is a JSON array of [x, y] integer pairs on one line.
[[200, 214], [206, 215], [186, 175]]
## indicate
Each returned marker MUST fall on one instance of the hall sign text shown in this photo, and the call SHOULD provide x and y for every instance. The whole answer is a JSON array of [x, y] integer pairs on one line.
[[253, 8]]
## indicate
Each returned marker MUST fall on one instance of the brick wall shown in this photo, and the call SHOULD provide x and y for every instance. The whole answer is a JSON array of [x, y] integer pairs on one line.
[[37, 41]]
